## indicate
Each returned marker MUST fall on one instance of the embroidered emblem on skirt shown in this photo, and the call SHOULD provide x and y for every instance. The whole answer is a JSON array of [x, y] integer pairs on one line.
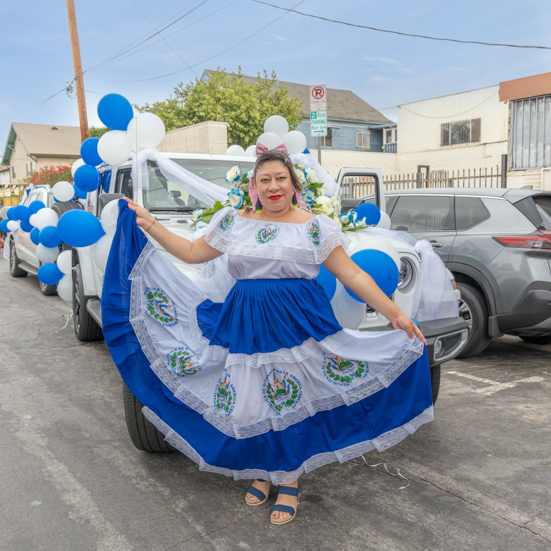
[[314, 232], [341, 371], [183, 362], [224, 396], [160, 307], [281, 390], [267, 233], [227, 221]]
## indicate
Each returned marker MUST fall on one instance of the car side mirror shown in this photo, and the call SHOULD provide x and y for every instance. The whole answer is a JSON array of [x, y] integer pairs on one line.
[[105, 198]]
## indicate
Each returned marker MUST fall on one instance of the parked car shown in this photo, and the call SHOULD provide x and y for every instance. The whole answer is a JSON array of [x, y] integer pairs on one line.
[[174, 208], [22, 250], [497, 243]]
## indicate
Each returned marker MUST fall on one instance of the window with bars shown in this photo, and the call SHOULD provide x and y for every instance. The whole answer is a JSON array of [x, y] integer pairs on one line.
[[29, 167], [363, 139], [458, 132], [327, 141], [530, 143]]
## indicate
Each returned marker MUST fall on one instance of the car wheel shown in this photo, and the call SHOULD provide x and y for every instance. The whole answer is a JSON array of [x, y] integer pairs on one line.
[[542, 339], [86, 327], [473, 309], [15, 270], [143, 433], [435, 374], [48, 290]]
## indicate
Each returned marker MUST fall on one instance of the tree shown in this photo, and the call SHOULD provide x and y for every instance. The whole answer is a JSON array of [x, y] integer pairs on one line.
[[98, 131], [228, 97]]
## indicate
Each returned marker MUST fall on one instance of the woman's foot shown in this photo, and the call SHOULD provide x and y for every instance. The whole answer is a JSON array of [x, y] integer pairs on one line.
[[281, 517], [261, 486]]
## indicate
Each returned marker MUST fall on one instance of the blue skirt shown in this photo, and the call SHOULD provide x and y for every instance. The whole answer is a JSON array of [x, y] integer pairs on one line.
[[265, 385]]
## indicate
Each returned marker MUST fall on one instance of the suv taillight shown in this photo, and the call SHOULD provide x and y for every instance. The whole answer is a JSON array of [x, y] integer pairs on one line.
[[537, 240]]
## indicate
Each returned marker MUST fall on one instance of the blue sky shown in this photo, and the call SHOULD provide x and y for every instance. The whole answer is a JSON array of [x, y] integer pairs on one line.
[[386, 70]]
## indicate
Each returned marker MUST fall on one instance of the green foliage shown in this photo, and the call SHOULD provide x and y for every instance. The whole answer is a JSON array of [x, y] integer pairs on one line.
[[98, 131], [228, 97], [50, 175]]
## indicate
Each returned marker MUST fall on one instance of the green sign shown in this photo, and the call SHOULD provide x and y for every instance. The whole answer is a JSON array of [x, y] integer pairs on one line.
[[318, 123]]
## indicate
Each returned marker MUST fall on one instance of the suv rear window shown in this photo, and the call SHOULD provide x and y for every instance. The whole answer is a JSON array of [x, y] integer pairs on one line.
[[469, 212], [423, 213], [537, 209]]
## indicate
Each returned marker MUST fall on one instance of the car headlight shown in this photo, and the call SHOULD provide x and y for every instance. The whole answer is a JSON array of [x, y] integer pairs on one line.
[[406, 273]]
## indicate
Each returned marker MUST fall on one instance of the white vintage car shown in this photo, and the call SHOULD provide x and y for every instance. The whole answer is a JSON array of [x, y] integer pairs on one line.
[[173, 207]]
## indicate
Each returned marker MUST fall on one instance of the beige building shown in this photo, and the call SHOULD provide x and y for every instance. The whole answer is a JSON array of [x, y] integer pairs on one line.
[[31, 147]]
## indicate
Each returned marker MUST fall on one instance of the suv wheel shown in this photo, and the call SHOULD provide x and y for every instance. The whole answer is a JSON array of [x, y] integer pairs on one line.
[[48, 290], [86, 327], [143, 433], [473, 309], [435, 373], [543, 339], [15, 270]]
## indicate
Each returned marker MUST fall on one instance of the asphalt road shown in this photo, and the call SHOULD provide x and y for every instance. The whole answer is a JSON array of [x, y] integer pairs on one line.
[[479, 476]]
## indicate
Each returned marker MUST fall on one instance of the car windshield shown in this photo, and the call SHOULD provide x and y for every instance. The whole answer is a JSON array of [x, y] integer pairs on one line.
[[163, 194]]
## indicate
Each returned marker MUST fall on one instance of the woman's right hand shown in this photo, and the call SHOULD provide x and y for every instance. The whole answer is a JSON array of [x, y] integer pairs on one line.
[[143, 217]]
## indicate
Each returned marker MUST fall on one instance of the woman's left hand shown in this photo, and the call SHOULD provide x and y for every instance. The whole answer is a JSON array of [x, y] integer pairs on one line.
[[407, 324]]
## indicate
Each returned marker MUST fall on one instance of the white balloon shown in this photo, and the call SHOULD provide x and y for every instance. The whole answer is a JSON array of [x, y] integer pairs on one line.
[[45, 217], [251, 151], [65, 262], [145, 130], [269, 140], [76, 165], [13, 225], [235, 150], [65, 287], [295, 142], [348, 311], [276, 124], [63, 191], [109, 217], [101, 251], [47, 254], [32, 219], [384, 222], [114, 147]]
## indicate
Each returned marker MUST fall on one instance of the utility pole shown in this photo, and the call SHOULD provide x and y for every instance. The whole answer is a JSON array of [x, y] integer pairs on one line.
[[84, 132]]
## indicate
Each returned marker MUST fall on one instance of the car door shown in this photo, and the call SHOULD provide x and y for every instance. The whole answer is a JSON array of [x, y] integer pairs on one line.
[[426, 216], [26, 249]]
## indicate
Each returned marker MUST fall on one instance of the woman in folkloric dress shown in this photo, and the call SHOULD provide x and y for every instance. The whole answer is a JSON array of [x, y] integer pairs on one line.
[[266, 385]]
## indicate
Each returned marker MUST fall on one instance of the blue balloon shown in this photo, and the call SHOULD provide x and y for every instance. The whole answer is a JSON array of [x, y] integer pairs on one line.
[[50, 274], [34, 236], [370, 212], [35, 206], [79, 228], [87, 178], [4, 225], [23, 213], [49, 237], [115, 111], [81, 194], [89, 152], [26, 226], [11, 214], [327, 281], [380, 267]]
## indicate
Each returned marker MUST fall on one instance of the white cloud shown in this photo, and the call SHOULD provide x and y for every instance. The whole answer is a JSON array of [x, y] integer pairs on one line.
[[386, 60], [282, 38], [375, 79]]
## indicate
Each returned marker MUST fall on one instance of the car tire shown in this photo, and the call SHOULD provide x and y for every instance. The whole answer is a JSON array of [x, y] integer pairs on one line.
[[473, 309], [62, 207], [48, 290], [542, 339], [15, 270], [86, 327], [435, 374], [143, 433]]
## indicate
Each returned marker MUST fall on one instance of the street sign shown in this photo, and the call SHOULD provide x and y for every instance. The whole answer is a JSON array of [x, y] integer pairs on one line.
[[318, 97], [318, 123]]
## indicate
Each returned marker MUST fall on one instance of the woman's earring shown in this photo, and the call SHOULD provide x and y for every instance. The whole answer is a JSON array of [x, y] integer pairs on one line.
[[294, 200], [258, 205]]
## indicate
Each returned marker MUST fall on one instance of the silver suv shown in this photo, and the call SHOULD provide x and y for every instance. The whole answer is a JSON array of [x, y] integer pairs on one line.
[[497, 244]]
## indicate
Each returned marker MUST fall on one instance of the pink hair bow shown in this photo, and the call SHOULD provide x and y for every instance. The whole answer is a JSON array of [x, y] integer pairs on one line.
[[261, 148]]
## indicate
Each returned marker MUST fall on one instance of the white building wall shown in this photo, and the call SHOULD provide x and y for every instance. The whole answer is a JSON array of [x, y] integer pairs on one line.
[[419, 131], [334, 160], [204, 137]]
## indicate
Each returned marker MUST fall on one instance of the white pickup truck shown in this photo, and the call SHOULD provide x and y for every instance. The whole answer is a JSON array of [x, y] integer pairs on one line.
[[445, 337]]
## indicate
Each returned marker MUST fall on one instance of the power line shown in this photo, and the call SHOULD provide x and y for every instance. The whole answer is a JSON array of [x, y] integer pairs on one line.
[[400, 33], [215, 55]]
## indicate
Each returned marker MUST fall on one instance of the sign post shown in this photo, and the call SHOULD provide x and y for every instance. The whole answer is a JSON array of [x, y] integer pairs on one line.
[[318, 114]]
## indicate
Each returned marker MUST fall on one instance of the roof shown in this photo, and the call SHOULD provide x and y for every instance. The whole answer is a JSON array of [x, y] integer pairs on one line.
[[341, 104], [44, 140]]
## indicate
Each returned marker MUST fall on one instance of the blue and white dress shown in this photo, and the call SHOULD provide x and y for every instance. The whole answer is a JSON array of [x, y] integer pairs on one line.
[[266, 384]]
